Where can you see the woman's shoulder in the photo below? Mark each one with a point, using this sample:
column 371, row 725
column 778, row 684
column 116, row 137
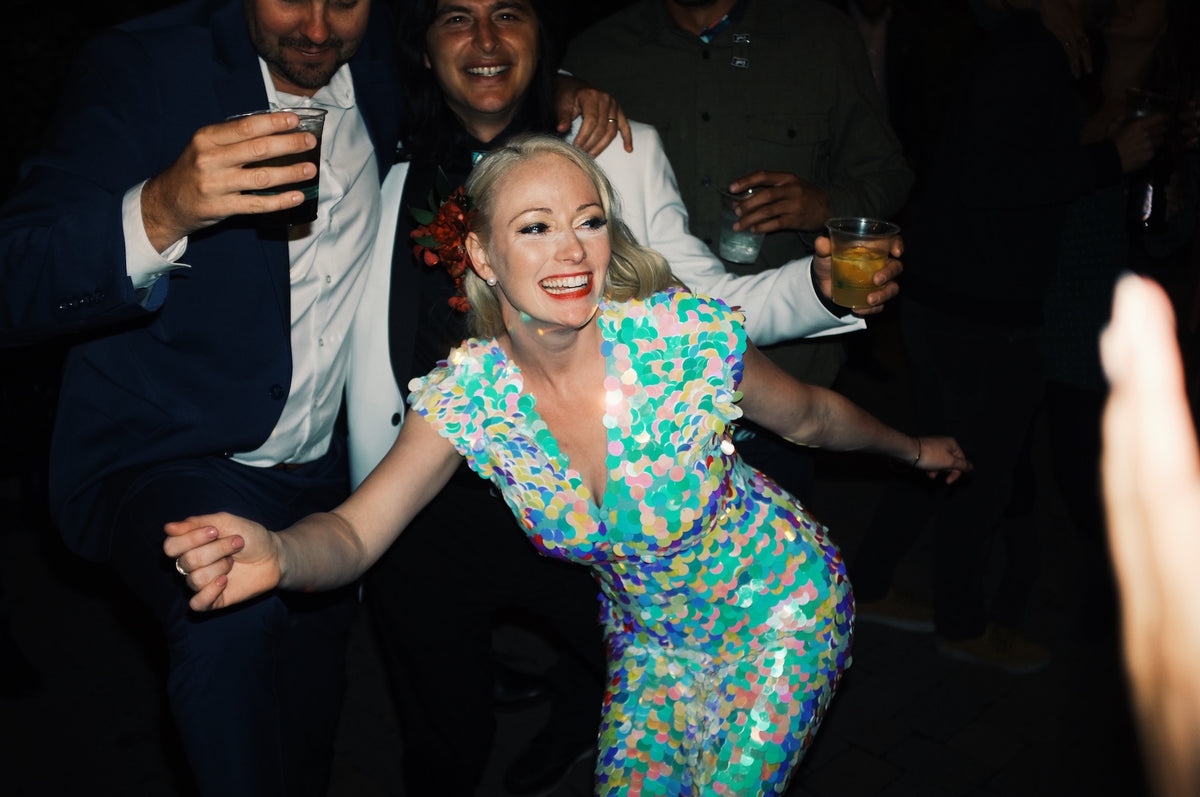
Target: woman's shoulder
column 677, row 318
column 475, row 368
column 681, row 306
column 473, row 398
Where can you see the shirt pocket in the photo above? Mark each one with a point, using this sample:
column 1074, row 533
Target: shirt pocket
column 796, row 143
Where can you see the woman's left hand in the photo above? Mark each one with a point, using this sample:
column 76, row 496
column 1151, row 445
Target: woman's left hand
column 942, row 455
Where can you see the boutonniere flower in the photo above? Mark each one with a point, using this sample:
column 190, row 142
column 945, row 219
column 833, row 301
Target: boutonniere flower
column 440, row 239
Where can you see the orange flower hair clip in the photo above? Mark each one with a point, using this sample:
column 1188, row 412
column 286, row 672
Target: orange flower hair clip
column 440, row 238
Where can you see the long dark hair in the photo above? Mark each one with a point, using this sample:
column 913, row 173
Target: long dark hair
column 430, row 127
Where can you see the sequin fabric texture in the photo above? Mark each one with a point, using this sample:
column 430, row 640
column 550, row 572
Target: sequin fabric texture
column 727, row 611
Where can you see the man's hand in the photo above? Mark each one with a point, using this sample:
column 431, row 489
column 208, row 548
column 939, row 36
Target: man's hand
column 1138, row 140
column 1064, row 19
column 884, row 279
column 602, row 115
column 224, row 558
column 780, row 201
column 204, row 186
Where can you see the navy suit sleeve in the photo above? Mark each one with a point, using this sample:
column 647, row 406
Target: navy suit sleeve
column 62, row 252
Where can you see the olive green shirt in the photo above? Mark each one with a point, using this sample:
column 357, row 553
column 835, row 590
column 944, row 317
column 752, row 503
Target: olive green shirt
column 786, row 87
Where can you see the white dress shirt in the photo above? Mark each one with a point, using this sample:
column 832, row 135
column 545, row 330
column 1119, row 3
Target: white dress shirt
column 327, row 273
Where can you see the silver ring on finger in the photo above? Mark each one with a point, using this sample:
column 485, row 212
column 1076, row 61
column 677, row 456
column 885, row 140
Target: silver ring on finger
column 179, row 568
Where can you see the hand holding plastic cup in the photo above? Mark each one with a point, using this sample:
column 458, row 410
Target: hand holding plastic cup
column 860, row 247
column 737, row 247
column 312, row 120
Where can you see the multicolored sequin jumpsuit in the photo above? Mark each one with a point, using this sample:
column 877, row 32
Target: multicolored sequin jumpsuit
column 727, row 610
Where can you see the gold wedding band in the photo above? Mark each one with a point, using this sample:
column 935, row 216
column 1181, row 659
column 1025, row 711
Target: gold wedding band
column 612, row 121
column 179, row 568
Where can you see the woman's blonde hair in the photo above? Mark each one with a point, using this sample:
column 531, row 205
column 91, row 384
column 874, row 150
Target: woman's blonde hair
column 634, row 272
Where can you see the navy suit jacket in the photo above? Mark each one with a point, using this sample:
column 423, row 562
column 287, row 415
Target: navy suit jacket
column 201, row 366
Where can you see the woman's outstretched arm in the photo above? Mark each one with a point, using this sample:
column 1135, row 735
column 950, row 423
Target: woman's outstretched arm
column 821, row 418
column 228, row 559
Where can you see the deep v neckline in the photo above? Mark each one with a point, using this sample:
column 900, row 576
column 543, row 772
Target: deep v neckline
column 542, row 433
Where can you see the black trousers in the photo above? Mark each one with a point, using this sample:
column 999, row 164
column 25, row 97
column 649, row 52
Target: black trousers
column 255, row 690
column 982, row 384
column 434, row 596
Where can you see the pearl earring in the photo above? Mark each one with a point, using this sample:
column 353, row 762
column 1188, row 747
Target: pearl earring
column 491, row 281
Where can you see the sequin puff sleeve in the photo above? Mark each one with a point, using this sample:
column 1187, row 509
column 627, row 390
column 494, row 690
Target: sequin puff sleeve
column 470, row 398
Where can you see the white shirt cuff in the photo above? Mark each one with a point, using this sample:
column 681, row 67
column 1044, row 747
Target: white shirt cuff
column 143, row 263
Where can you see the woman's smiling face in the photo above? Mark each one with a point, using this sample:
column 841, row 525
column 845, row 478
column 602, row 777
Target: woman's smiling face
column 547, row 244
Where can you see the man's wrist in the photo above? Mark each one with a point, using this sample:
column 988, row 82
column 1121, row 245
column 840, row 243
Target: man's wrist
column 826, row 302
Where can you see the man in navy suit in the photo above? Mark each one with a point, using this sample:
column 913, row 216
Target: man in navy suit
column 208, row 353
